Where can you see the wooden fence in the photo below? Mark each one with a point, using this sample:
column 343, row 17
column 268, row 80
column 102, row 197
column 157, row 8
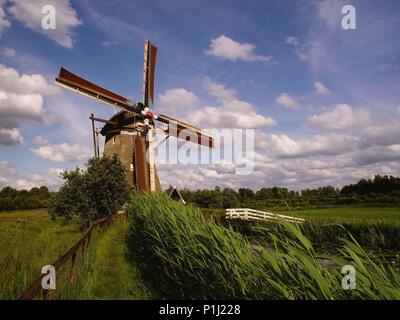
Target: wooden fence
column 33, row 289
column 255, row 215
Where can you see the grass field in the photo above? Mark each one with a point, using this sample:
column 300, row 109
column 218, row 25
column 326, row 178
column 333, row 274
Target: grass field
column 370, row 214
column 335, row 214
column 30, row 239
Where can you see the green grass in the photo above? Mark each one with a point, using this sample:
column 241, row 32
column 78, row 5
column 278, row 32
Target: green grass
column 29, row 239
column 108, row 274
column 182, row 254
column 339, row 214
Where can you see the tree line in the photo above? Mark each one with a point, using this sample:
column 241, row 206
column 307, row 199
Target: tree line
column 11, row 199
column 382, row 190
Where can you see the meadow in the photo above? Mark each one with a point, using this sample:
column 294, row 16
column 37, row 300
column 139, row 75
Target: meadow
column 176, row 246
column 29, row 239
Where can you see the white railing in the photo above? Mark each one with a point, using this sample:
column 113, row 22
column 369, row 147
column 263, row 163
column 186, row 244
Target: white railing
column 251, row 214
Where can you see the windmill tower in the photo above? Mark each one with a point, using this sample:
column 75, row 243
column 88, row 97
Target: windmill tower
column 129, row 133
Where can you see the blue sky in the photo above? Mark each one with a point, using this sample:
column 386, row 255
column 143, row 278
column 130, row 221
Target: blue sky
column 324, row 101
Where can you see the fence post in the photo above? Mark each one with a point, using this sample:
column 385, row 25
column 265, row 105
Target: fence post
column 84, row 249
column 73, row 268
column 46, row 294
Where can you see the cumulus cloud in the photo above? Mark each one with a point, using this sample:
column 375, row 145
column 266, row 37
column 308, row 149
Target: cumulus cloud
column 62, row 152
column 9, row 137
column 320, row 88
column 299, row 48
column 231, row 112
column 227, row 48
column 30, row 14
column 285, row 147
column 341, row 117
column 6, row 168
column 23, row 106
column 41, row 141
column 21, row 98
column 13, row 82
column 285, row 100
column 4, row 22
column 177, row 99
column 294, row 41
column 8, row 52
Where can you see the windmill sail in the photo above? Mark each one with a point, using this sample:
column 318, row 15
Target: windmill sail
column 196, row 135
column 149, row 67
column 77, row 84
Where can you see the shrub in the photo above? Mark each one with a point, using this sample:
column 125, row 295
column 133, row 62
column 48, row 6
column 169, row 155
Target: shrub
column 91, row 194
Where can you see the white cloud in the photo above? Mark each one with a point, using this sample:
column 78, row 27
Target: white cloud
column 377, row 154
column 41, row 141
column 341, row 117
column 4, row 23
column 21, row 106
column 11, row 177
column 30, row 14
column 9, row 137
column 287, row 101
column 231, row 113
column 62, row 152
column 6, row 168
column 9, row 52
column 285, row 147
column 12, row 81
column 224, row 47
column 177, row 99
column 329, row 11
column 294, row 41
column 21, row 98
column 320, row 88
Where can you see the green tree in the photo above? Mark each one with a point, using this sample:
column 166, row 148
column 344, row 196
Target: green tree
column 99, row 191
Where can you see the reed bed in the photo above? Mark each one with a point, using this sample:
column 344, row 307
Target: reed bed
column 183, row 255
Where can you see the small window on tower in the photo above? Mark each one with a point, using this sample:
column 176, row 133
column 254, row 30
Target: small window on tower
column 131, row 166
column 113, row 139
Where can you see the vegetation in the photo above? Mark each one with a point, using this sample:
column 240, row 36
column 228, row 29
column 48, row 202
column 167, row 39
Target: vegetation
column 381, row 191
column 91, row 194
column 11, row 199
column 106, row 273
column 30, row 239
column 183, row 255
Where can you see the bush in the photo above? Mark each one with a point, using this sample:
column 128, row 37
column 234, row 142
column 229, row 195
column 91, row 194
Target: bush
column 99, row 191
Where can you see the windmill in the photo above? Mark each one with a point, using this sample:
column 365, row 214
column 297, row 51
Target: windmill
column 129, row 132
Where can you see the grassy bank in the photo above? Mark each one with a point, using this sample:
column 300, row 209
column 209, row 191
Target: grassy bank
column 184, row 255
column 107, row 273
column 30, row 239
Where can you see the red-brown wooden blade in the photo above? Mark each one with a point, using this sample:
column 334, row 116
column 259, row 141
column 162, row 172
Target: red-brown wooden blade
column 152, row 65
column 141, row 165
column 79, row 85
column 192, row 133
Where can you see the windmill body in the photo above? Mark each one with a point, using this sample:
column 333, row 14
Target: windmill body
column 129, row 133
